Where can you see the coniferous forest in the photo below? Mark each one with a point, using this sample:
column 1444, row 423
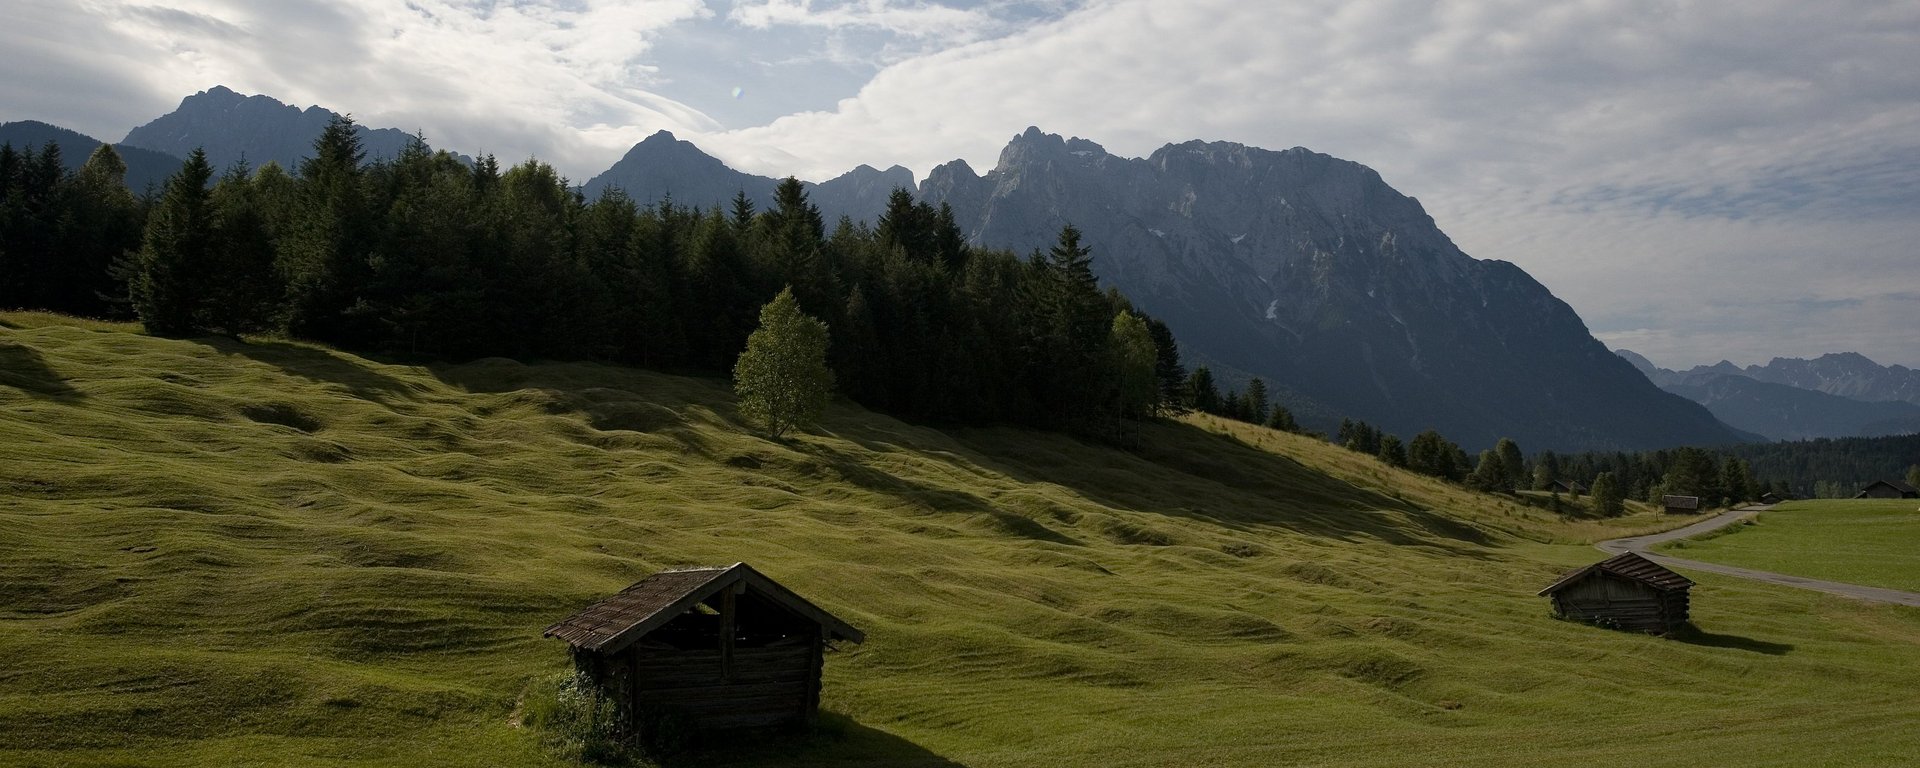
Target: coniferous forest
column 428, row 257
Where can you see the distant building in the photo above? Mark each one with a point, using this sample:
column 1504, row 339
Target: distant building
column 1567, row 486
column 1680, row 505
column 1625, row 591
column 1772, row 498
column 705, row 649
column 1888, row 489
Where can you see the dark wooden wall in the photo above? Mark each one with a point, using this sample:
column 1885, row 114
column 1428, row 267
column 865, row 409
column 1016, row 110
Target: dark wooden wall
column 1623, row 603
column 766, row 686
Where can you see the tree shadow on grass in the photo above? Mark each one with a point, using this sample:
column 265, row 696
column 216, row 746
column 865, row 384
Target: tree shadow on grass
column 22, row 368
column 1182, row 470
column 835, row 740
column 314, row 364
column 1693, row 635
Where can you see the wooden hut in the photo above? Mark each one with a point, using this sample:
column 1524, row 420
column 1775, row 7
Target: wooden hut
column 1681, row 505
column 1888, row 489
column 1625, row 591
column 705, row 649
column 1772, row 498
column 1567, row 486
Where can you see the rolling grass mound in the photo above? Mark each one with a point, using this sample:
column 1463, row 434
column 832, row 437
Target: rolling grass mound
column 273, row 553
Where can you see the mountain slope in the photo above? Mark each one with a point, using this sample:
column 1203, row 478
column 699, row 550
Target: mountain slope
column 663, row 167
column 231, row 127
column 1779, row 411
column 1312, row 273
column 1846, row 374
column 220, row 553
column 145, row 168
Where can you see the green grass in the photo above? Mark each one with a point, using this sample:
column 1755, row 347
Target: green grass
column 1875, row 542
column 271, row 553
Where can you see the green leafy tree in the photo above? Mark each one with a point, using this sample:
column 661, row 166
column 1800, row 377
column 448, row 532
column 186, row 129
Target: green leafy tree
column 175, row 265
column 1608, row 501
column 1489, row 473
column 1134, row 359
column 1511, row 462
column 1913, row 477
column 782, row 379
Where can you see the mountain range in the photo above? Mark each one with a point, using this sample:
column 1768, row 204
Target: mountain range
column 1834, row 395
column 231, row 127
column 1305, row 270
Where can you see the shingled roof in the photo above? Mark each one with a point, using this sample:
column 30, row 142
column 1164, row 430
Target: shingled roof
column 1626, row 565
column 1680, row 502
column 616, row 622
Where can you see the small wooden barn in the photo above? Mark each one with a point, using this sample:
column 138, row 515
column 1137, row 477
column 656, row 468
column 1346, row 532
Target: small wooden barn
column 1681, row 505
column 1625, row 591
column 705, row 649
column 1888, row 489
column 1771, row 498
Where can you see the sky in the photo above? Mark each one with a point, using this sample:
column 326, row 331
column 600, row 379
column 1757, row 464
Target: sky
column 1699, row 180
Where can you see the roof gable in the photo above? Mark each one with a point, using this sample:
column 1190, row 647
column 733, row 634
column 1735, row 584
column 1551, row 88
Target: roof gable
column 1894, row 484
column 1626, row 565
column 613, row 624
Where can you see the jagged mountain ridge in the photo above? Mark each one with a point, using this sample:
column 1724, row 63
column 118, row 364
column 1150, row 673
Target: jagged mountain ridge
column 231, row 127
column 1312, row 273
column 1783, row 411
column 663, row 167
column 145, row 167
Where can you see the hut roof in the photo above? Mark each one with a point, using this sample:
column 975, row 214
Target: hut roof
column 614, row 623
column 1680, row 502
column 1894, row 484
column 1626, row 565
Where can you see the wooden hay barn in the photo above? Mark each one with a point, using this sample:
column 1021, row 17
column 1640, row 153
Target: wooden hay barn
column 1625, row 591
column 705, row 649
column 1567, row 486
column 1771, row 498
column 1680, row 505
column 1888, row 489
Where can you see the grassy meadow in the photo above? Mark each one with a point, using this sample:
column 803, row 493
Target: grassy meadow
column 272, row 553
column 1875, row 542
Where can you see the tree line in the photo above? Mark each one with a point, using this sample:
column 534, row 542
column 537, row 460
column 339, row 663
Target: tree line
column 430, row 257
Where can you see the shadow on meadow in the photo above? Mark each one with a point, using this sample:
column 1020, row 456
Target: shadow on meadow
column 835, row 740
column 1693, row 635
column 22, row 368
column 314, row 364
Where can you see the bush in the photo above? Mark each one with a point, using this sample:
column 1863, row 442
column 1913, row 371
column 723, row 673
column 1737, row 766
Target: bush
column 576, row 720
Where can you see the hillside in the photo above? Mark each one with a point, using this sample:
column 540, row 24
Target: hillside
column 257, row 129
column 272, row 553
column 146, row 169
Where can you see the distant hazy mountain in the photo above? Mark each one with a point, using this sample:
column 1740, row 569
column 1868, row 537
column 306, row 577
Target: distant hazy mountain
column 1847, row 374
column 144, row 166
column 1781, row 411
column 230, row 126
column 1311, row 272
column 663, row 167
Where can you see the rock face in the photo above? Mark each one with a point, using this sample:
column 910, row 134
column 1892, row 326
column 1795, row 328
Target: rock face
column 230, row 126
column 145, row 168
column 1847, row 374
column 1781, row 411
column 1312, row 273
column 663, row 167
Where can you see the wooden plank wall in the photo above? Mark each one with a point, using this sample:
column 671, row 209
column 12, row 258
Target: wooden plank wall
column 1624, row 604
column 761, row 687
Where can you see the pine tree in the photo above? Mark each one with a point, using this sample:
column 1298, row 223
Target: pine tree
column 1202, row 394
column 175, row 264
column 782, row 379
column 1282, row 419
column 1256, row 401
column 1392, row 451
column 241, row 300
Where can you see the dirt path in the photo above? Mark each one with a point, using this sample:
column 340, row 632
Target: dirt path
column 1643, row 545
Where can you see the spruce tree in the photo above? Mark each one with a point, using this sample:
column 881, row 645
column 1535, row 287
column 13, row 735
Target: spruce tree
column 175, row 265
column 1282, row 419
column 1202, row 394
column 782, row 379
column 1392, row 451
column 1256, row 401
